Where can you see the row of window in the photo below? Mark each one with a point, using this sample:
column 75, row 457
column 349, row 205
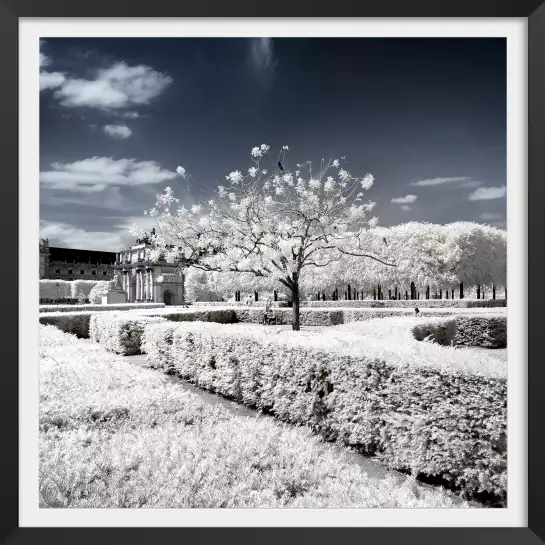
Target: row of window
column 58, row 271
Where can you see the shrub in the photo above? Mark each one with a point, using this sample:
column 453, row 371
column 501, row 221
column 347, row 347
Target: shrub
column 100, row 308
column 487, row 331
column 97, row 291
column 404, row 303
column 220, row 316
column 84, row 286
column 55, row 289
column 76, row 323
column 119, row 333
column 441, row 417
column 440, row 331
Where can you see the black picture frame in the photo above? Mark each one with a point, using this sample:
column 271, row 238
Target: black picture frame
column 12, row 10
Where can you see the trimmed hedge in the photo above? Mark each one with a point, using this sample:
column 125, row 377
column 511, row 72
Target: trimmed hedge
column 431, row 420
column 370, row 303
column 314, row 317
column 485, row 331
column 69, row 322
column 426, row 303
column 442, row 332
column 220, row 316
column 50, row 290
column 119, row 333
column 99, row 308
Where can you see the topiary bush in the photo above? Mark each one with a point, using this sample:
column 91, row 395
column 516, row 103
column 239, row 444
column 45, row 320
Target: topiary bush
column 119, row 333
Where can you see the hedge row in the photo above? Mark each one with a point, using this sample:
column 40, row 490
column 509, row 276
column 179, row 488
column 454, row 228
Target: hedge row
column 370, row 303
column 99, row 308
column 431, row 420
column 63, row 301
column 427, row 303
column 76, row 323
column 120, row 333
column 66, row 289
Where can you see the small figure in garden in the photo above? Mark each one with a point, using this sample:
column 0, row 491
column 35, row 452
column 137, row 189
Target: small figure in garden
column 268, row 315
column 416, row 311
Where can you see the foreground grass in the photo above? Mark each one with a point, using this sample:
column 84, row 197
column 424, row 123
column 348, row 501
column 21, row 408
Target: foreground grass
column 115, row 435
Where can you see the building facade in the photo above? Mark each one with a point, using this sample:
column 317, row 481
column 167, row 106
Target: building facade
column 74, row 264
column 145, row 280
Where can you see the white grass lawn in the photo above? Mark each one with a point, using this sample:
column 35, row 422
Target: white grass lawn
column 116, row 435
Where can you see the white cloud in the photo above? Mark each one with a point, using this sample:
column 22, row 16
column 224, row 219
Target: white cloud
column 404, row 200
column 262, row 55
column 405, row 207
column 51, row 80
column 44, row 60
column 95, row 174
column 488, row 193
column 120, row 86
column 117, row 131
column 441, row 181
column 131, row 115
column 66, row 235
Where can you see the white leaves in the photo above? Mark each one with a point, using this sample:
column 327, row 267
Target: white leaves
column 256, row 152
column 367, row 181
column 344, row 175
column 314, row 184
column 252, row 171
column 285, row 148
column 336, row 163
column 235, row 177
column 329, row 184
column 196, row 209
column 181, row 171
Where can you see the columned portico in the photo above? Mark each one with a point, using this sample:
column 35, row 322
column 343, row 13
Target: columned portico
column 150, row 280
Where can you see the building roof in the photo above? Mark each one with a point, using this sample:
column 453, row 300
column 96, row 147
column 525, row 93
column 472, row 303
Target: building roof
column 73, row 255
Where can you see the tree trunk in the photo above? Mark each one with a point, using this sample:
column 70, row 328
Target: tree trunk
column 413, row 291
column 296, row 311
column 461, row 290
column 428, row 292
column 323, row 296
column 440, row 294
column 389, row 295
column 406, row 295
column 374, row 294
column 452, row 294
column 349, row 290
column 493, row 292
column 275, row 293
column 478, row 291
column 256, row 297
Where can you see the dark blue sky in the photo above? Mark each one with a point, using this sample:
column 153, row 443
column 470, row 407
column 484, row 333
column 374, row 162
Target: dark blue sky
column 407, row 110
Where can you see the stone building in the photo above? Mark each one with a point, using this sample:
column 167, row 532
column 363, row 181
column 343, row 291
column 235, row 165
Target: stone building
column 74, row 264
column 145, row 280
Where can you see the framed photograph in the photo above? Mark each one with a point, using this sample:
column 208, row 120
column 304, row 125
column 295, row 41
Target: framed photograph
column 263, row 270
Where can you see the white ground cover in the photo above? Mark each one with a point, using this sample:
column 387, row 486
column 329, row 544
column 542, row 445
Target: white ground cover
column 116, row 435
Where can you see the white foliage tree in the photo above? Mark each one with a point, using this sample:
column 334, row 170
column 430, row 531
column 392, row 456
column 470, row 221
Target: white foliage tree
column 274, row 224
